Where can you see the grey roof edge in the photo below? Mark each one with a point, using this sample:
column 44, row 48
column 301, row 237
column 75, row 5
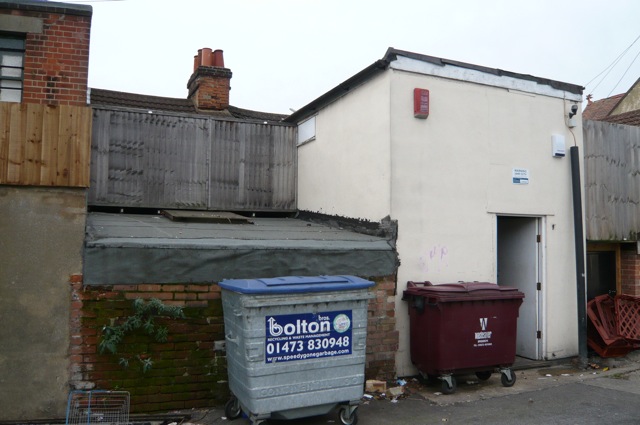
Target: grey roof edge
column 338, row 91
column 390, row 56
column 48, row 6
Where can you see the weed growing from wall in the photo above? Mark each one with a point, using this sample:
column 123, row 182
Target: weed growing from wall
column 143, row 318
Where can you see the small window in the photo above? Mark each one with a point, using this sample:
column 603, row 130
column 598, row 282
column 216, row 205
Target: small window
column 11, row 67
column 307, row 131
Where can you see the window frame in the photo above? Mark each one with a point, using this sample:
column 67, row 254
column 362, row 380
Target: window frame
column 307, row 131
column 12, row 45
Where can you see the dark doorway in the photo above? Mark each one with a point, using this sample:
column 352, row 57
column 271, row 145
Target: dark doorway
column 601, row 273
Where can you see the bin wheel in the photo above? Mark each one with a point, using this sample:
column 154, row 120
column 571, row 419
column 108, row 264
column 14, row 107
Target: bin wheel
column 232, row 409
column 506, row 381
column 346, row 418
column 449, row 388
column 484, row 375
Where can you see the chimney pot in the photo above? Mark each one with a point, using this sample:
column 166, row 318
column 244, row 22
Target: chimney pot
column 207, row 57
column 209, row 84
column 218, row 59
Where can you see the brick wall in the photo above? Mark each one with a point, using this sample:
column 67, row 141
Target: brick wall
column 57, row 59
column 187, row 372
column 630, row 272
column 209, row 88
column 382, row 336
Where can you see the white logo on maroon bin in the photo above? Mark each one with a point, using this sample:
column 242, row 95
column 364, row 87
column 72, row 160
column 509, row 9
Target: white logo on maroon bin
column 483, row 323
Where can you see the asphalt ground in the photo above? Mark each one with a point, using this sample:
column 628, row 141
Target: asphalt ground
column 605, row 391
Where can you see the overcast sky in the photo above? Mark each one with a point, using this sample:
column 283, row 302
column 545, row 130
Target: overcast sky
column 285, row 53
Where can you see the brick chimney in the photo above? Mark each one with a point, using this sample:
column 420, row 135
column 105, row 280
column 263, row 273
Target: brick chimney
column 209, row 84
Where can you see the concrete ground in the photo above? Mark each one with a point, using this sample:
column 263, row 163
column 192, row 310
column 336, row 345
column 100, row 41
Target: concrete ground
column 607, row 391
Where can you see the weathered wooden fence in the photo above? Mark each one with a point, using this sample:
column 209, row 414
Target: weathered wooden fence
column 44, row 145
column 612, row 181
column 191, row 162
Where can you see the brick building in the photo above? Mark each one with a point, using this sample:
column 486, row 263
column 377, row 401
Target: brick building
column 44, row 174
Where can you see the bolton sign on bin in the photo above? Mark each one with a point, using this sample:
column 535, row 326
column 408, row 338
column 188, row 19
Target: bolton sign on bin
column 296, row 346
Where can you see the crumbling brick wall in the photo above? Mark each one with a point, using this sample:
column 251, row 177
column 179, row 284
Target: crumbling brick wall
column 382, row 336
column 187, row 372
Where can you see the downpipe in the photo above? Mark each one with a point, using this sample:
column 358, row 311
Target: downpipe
column 579, row 250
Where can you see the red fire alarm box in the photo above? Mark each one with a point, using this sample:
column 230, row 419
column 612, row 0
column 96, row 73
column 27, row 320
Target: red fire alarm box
column 420, row 103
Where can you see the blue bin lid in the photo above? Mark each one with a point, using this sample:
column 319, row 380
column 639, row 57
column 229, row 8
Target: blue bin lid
column 295, row 284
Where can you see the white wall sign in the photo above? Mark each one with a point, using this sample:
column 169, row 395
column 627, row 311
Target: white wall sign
column 520, row 176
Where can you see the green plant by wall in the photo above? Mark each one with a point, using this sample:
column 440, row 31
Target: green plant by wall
column 143, row 318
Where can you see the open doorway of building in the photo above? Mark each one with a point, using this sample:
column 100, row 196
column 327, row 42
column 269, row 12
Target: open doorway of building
column 603, row 269
column 519, row 265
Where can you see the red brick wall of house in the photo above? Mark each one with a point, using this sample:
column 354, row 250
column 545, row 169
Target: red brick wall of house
column 56, row 64
column 187, row 372
column 630, row 272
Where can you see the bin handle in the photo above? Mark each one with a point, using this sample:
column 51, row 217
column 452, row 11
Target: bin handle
column 412, row 284
column 229, row 338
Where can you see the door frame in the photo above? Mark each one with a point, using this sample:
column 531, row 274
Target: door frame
column 541, row 310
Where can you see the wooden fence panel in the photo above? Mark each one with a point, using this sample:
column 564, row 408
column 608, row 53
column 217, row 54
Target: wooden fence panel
column 190, row 162
column 612, row 181
column 44, row 145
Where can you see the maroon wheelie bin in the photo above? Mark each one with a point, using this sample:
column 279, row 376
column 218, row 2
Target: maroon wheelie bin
column 461, row 328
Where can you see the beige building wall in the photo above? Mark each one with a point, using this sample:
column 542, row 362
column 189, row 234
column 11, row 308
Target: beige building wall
column 450, row 177
column 345, row 171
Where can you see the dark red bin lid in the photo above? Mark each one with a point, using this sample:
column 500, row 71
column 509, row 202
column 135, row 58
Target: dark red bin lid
column 461, row 291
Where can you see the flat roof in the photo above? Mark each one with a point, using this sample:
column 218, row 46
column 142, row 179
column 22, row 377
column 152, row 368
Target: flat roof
column 134, row 249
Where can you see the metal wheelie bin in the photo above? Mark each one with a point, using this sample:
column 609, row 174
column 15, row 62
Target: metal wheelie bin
column 295, row 346
column 460, row 328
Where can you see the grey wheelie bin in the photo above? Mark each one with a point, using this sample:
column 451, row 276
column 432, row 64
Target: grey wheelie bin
column 296, row 346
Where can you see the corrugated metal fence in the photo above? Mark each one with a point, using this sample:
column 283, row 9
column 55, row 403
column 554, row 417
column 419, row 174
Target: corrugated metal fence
column 191, row 162
column 612, row 181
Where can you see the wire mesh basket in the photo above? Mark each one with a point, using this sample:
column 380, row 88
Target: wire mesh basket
column 98, row 407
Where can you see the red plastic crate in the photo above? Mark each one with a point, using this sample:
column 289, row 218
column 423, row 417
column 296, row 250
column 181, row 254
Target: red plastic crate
column 628, row 315
column 619, row 347
column 600, row 313
column 607, row 312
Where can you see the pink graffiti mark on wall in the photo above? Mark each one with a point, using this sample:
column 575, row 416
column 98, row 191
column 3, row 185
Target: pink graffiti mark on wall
column 435, row 259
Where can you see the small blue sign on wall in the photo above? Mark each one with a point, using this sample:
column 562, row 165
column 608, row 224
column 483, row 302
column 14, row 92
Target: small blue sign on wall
column 305, row 336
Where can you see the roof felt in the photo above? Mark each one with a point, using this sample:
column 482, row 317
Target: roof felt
column 101, row 97
column 132, row 249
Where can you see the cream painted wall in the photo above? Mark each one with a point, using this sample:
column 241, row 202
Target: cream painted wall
column 345, row 171
column 445, row 179
column 452, row 175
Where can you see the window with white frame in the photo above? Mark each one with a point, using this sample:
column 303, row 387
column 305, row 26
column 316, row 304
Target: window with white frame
column 307, row 130
column 11, row 67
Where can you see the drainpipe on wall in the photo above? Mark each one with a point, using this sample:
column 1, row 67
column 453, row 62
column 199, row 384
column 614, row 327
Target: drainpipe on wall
column 579, row 247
